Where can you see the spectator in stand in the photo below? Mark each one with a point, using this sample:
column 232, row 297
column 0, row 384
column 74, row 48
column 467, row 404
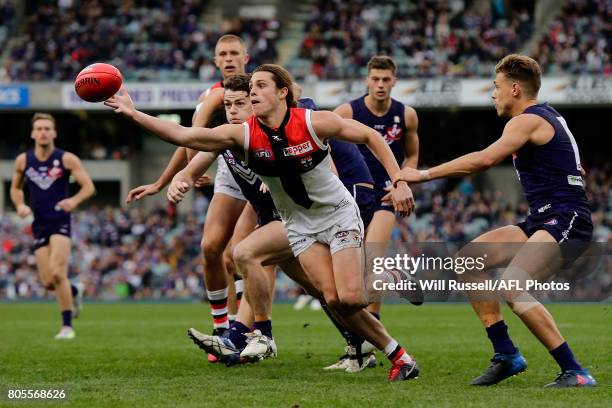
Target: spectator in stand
column 427, row 37
column 579, row 41
column 120, row 253
column 151, row 40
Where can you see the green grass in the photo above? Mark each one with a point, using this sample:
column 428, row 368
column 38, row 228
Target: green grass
column 139, row 355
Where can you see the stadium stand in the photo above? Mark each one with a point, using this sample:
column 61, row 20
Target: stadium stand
column 579, row 41
column 151, row 40
column 426, row 37
column 133, row 254
column 7, row 20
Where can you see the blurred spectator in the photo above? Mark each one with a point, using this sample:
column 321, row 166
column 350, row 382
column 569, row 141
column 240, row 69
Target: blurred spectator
column 579, row 41
column 7, row 20
column 145, row 39
column 426, row 37
column 131, row 254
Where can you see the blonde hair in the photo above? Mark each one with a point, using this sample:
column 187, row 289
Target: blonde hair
column 42, row 116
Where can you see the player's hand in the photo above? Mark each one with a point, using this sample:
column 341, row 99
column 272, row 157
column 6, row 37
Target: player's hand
column 203, row 180
column 264, row 188
column 402, row 199
column 23, row 211
column 121, row 102
column 139, row 192
column 67, row 205
column 177, row 189
column 409, row 175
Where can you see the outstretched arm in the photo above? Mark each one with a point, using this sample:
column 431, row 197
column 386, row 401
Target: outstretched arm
column 186, row 178
column 177, row 162
column 221, row 137
column 329, row 125
column 516, row 133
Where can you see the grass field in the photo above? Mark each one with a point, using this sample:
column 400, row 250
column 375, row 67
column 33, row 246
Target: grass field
column 139, row 355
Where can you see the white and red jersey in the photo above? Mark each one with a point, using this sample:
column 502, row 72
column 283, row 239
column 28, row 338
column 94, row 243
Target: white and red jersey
column 295, row 165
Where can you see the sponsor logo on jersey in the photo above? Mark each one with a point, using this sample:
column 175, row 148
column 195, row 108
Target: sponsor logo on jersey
column 575, row 181
column 544, row 208
column 298, row 149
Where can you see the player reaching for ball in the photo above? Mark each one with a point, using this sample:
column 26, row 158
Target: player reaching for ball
column 287, row 148
column 46, row 170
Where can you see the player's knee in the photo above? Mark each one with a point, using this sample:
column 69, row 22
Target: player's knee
column 331, row 299
column 244, row 255
column 352, row 300
column 211, row 249
column 58, row 278
column 228, row 260
column 48, row 284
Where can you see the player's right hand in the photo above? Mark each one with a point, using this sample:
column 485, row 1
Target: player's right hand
column 177, row 190
column 23, row 211
column 141, row 191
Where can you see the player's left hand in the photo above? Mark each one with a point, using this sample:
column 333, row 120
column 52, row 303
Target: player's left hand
column 121, row 102
column 402, row 199
column 264, row 188
column 409, row 175
column 67, row 204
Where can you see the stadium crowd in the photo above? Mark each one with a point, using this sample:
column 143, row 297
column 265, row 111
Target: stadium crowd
column 130, row 254
column 579, row 41
column 145, row 39
column 426, row 37
column 7, row 20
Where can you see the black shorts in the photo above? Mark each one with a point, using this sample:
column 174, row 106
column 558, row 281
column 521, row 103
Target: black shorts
column 565, row 225
column 43, row 229
column 380, row 192
column 365, row 197
column 266, row 216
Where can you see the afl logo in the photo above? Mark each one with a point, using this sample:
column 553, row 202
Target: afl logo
column 552, row 221
column 262, row 154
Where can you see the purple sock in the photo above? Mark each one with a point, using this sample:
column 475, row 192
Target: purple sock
column 265, row 327
column 237, row 334
column 67, row 318
column 565, row 358
column 498, row 334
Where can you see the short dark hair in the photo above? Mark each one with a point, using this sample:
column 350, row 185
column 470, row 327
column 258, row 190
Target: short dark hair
column 523, row 69
column 382, row 62
column 238, row 82
column 217, row 118
column 282, row 79
column 42, row 116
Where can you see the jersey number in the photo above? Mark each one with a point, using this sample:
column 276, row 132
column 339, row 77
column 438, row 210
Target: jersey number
column 572, row 141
